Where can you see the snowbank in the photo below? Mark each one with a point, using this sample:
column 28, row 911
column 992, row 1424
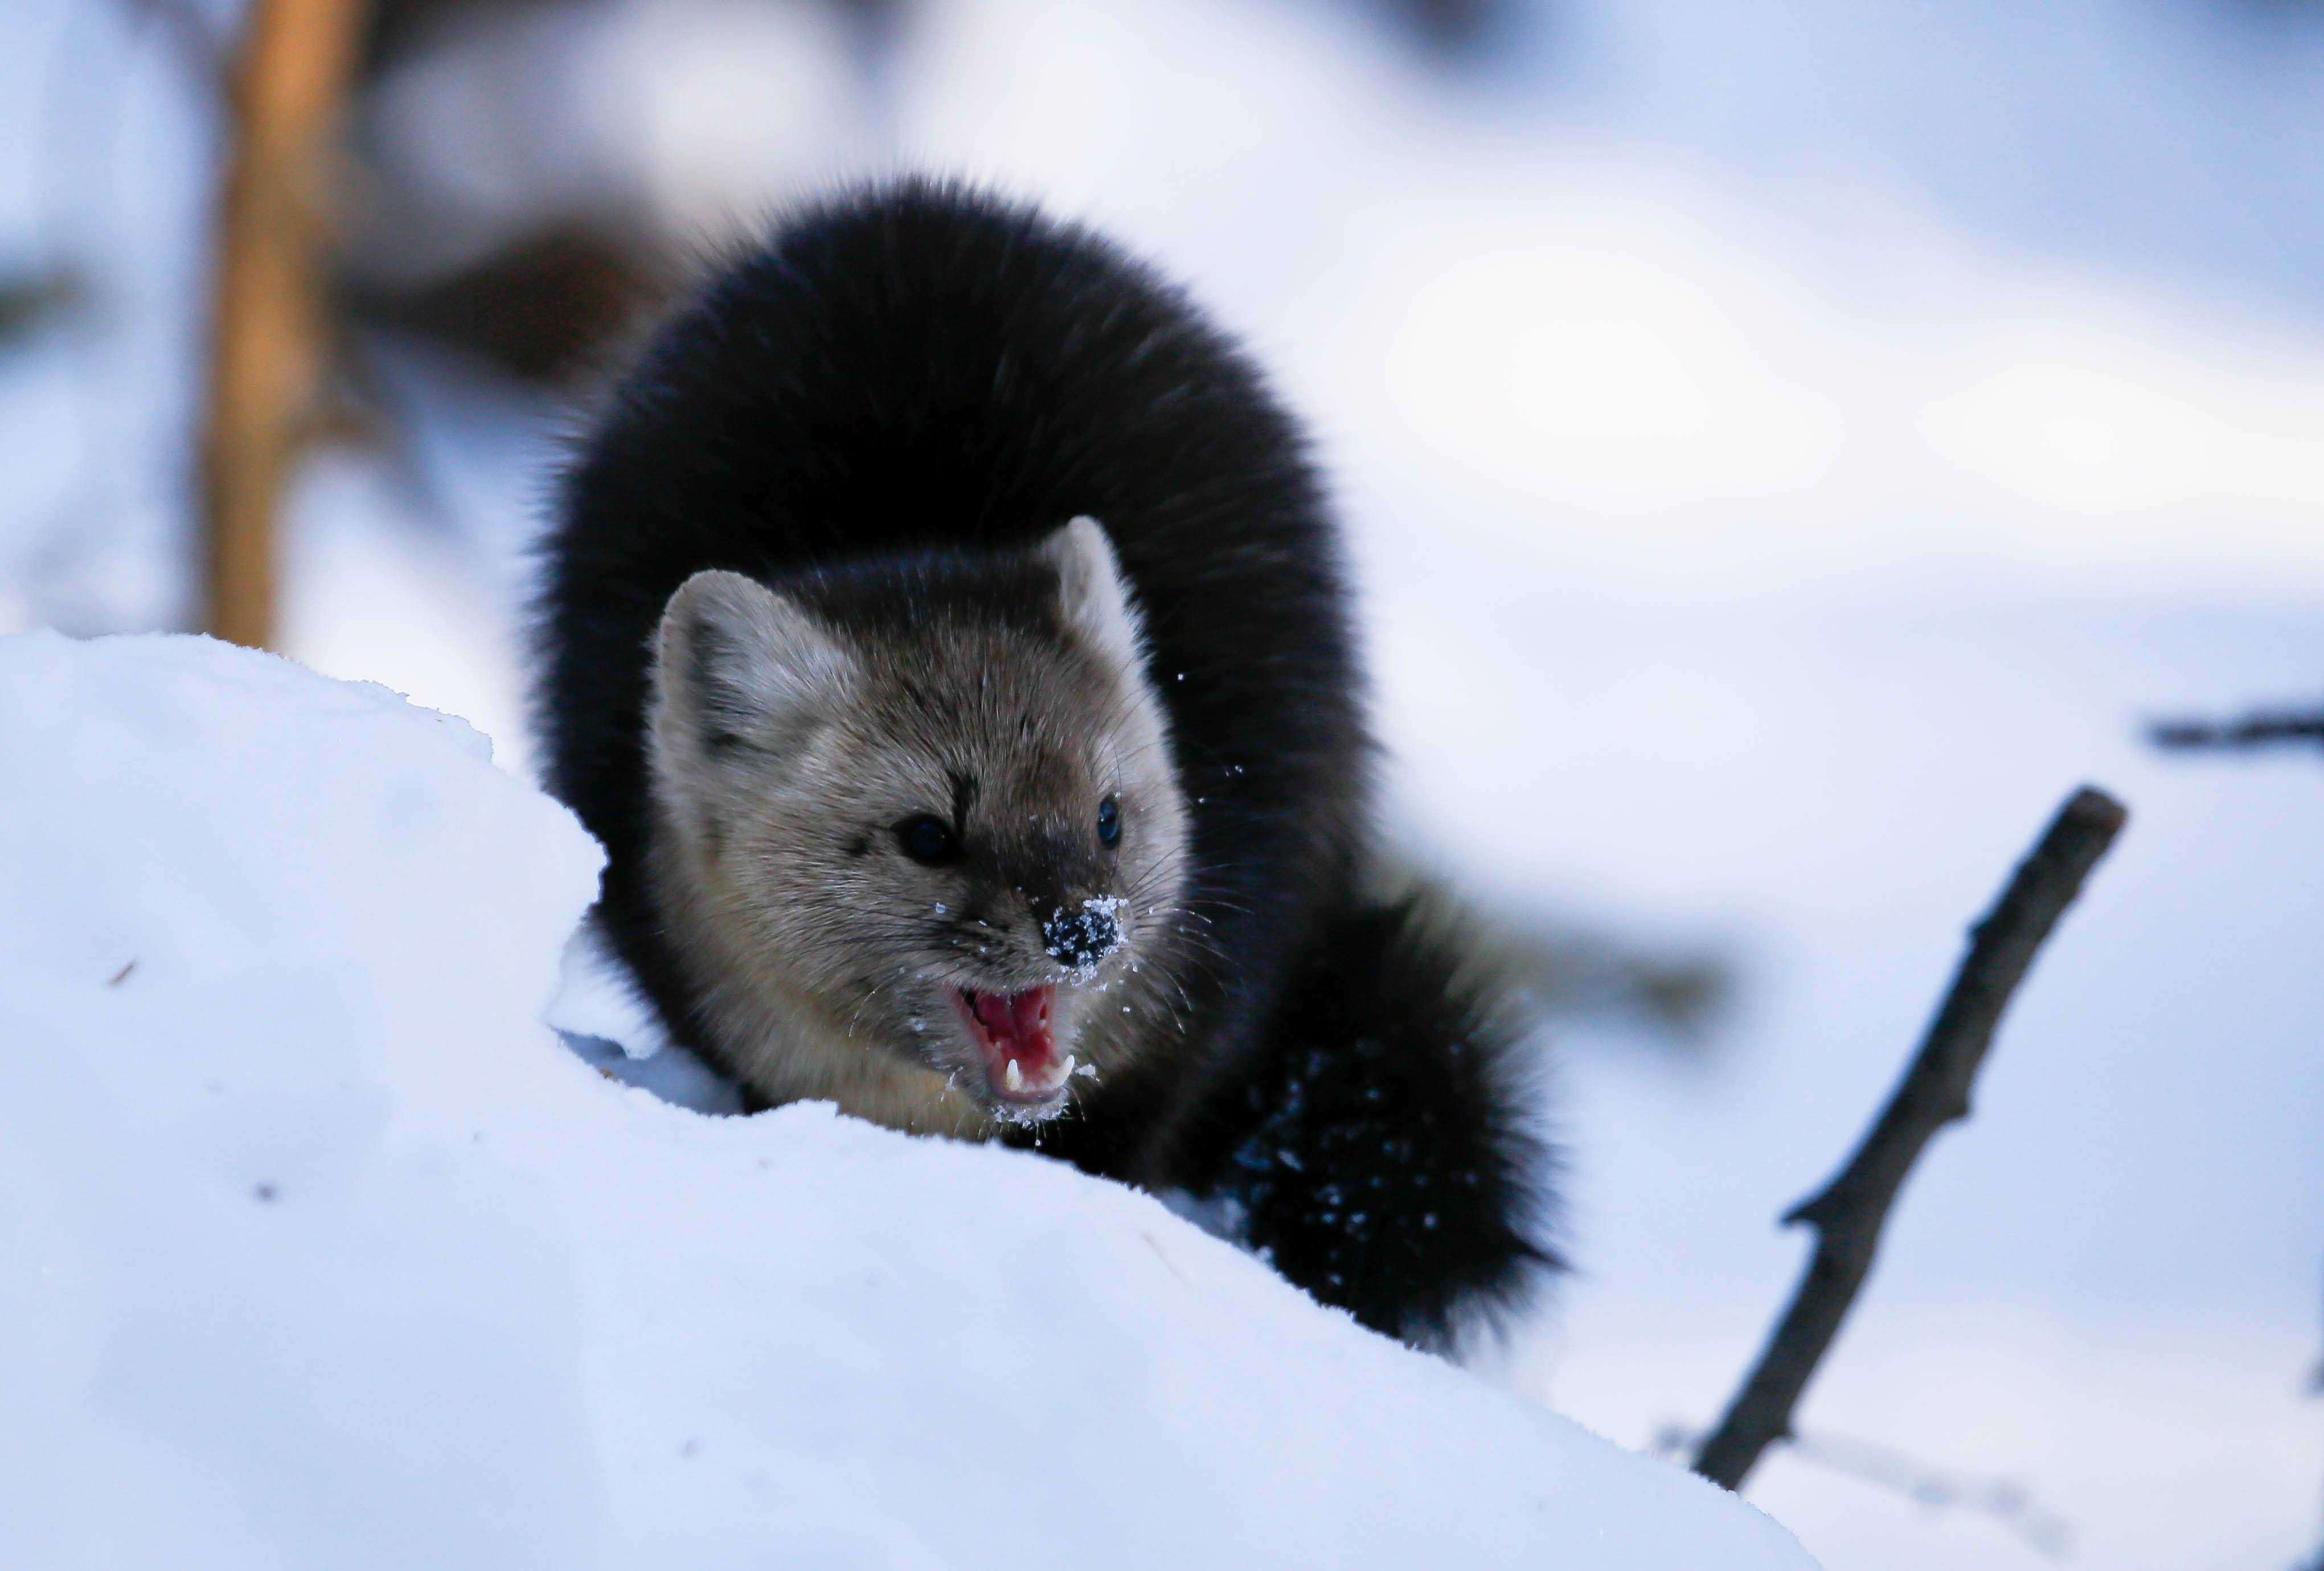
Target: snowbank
column 318, row 1249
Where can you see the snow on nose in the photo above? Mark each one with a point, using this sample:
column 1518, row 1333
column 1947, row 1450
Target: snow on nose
column 1080, row 939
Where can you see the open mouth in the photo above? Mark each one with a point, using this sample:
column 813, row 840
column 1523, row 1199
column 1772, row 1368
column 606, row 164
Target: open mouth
column 1012, row 1031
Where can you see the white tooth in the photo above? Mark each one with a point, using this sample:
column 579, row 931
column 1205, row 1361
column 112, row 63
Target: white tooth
column 1065, row 1072
column 1015, row 1076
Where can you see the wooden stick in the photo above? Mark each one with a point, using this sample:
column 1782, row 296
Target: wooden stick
column 269, row 333
column 1850, row 1213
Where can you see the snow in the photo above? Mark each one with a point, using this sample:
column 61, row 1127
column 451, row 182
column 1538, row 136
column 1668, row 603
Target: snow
column 320, row 1249
column 1087, row 936
column 1832, row 429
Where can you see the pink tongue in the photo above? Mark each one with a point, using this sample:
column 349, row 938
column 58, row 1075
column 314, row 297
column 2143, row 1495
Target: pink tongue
column 1018, row 1025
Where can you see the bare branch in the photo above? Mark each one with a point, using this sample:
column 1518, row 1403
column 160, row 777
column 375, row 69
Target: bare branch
column 1850, row 1213
column 33, row 301
column 2003, row 1499
column 2316, row 1381
column 269, row 338
column 193, row 38
column 2261, row 728
column 2315, row 1389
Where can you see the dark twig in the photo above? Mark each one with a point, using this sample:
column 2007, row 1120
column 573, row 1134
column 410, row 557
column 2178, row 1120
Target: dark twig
column 2261, row 728
column 33, row 301
column 2004, row 1500
column 1850, row 1213
column 2315, row 1389
column 197, row 41
column 2316, row 1381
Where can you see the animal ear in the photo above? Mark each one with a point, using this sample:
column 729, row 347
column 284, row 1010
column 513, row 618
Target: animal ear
column 737, row 666
column 1092, row 592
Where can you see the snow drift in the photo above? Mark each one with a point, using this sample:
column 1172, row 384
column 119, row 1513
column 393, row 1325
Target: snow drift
column 316, row 1248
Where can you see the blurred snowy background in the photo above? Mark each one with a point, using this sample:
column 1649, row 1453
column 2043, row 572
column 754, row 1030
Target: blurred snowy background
column 1787, row 448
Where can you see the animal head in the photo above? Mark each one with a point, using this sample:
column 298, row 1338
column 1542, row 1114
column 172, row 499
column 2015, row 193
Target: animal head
column 926, row 813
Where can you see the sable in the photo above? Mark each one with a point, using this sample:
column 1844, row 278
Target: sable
column 945, row 632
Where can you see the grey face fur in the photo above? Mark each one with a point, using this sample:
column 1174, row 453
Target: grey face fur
column 791, row 758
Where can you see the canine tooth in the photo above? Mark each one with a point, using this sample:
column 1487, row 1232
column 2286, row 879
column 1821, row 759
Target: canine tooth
column 1015, row 1076
column 1064, row 1073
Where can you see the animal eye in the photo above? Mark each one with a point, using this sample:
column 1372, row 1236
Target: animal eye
column 928, row 841
column 1109, row 821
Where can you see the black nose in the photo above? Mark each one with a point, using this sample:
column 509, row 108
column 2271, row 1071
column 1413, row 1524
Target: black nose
column 1080, row 939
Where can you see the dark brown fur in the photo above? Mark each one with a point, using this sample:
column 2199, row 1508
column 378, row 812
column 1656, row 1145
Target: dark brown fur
column 909, row 388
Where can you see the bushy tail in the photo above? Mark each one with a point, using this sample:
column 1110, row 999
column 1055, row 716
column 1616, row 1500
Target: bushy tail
column 1377, row 1145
